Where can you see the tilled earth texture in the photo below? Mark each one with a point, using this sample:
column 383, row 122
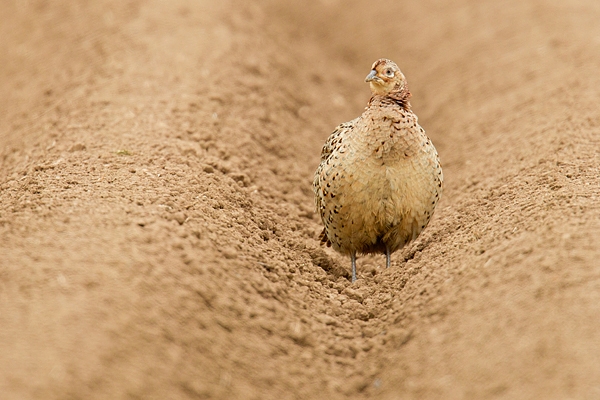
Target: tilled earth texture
column 158, row 238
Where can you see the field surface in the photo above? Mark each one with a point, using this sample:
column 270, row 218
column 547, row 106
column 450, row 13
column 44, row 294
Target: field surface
column 158, row 238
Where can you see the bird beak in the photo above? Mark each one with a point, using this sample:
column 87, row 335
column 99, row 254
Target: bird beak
column 372, row 76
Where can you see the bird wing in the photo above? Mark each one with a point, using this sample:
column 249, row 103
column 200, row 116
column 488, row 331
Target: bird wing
column 333, row 142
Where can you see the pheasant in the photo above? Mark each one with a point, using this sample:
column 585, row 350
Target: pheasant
column 380, row 177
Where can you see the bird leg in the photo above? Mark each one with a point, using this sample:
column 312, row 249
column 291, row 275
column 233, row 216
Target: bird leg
column 353, row 261
column 387, row 257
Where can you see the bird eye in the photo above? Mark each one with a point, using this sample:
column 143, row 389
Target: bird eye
column 389, row 72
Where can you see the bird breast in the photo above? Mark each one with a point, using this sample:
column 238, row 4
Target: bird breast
column 385, row 178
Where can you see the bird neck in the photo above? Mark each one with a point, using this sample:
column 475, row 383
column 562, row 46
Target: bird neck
column 400, row 98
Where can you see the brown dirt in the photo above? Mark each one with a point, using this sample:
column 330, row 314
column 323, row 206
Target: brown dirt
column 157, row 233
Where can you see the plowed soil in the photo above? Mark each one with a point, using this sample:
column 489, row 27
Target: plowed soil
column 157, row 232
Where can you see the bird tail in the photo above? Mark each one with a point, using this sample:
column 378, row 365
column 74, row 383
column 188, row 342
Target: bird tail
column 324, row 239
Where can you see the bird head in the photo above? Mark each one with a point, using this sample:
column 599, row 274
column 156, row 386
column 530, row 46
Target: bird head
column 386, row 78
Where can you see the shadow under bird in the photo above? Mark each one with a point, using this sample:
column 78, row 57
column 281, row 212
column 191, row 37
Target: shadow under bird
column 380, row 177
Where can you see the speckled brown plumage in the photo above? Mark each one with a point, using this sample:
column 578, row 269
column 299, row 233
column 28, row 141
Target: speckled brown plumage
column 380, row 178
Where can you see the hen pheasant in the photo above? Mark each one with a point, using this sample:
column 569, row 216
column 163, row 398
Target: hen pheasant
column 380, row 177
